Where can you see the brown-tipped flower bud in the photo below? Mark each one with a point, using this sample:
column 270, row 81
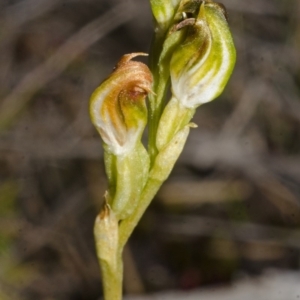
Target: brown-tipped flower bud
column 106, row 232
column 117, row 107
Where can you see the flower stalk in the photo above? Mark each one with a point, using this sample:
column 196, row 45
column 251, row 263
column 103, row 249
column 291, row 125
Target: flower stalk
column 193, row 52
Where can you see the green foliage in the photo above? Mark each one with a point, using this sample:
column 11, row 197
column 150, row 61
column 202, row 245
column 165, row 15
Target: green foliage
column 198, row 55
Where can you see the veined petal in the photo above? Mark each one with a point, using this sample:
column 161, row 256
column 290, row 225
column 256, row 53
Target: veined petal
column 117, row 107
column 201, row 66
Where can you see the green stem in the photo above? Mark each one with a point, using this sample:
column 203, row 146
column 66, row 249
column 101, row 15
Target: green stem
column 110, row 259
column 153, row 184
column 159, row 89
column 112, row 270
column 127, row 226
column 112, row 279
column 156, row 110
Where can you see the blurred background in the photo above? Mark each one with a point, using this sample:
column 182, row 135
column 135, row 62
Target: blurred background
column 228, row 216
